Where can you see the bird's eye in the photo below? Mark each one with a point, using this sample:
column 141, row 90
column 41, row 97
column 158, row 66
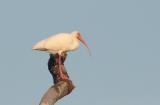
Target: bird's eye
column 78, row 33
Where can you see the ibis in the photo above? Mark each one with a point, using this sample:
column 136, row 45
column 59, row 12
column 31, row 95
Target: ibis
column 61, row 43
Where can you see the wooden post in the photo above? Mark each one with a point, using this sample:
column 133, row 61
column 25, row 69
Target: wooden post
column 61, row 87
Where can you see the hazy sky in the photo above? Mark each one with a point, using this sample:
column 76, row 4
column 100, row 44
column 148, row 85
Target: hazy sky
column 124, row 38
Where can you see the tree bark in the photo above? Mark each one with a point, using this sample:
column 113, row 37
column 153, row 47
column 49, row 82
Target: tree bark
column 61, row 87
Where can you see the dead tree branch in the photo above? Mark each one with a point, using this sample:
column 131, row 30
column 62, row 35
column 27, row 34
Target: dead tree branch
column 61, row 87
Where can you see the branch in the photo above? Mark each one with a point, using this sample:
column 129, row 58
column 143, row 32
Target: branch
column 61, row 87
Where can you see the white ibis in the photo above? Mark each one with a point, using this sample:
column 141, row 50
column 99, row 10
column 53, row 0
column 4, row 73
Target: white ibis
column 60, row 43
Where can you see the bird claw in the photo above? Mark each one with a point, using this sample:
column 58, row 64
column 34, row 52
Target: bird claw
column 62, row 75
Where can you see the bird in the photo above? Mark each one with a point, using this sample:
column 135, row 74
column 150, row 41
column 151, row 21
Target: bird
column 61, row 43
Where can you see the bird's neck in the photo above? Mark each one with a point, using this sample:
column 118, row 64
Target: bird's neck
column 75, row 44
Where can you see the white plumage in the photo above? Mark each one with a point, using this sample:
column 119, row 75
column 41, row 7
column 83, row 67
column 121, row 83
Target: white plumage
column 62, row 42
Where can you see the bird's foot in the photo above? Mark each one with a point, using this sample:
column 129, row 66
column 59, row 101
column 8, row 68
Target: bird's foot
column 62, row 75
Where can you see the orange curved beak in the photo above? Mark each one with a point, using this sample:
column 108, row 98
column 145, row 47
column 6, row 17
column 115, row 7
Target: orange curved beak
column 85, row 44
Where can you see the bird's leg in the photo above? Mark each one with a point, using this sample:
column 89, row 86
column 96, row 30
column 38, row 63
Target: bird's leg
column 57, row 59
column 64, row 77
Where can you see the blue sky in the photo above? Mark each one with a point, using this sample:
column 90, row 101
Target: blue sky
column 123, row 36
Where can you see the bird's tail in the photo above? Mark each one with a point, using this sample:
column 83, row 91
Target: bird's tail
column 39, row 46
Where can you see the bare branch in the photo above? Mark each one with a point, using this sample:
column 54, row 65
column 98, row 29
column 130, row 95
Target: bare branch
column 61, row 87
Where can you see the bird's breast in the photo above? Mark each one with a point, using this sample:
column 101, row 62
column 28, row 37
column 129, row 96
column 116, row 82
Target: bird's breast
column 74, row 45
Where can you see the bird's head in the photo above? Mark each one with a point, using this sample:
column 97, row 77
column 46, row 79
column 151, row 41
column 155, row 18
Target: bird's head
column 78, row 36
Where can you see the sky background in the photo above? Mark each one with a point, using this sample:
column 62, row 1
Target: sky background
column 123, row 36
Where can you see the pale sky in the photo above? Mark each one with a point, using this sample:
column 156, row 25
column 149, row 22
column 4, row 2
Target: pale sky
column 124, row 38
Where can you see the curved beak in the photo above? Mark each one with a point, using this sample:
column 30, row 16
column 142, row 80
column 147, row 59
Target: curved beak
column 85, row 44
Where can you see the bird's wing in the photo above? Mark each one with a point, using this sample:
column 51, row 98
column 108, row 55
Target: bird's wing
column 58, row 42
